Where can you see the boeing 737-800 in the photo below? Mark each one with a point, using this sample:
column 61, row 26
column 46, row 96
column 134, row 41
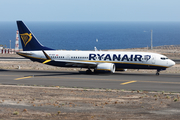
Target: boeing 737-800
column 100, row 61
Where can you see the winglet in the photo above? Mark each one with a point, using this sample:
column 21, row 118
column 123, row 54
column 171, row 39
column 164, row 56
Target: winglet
column 47, row 57
column 46, row 61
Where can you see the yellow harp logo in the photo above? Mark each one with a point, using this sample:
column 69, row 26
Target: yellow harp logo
column 26, row 38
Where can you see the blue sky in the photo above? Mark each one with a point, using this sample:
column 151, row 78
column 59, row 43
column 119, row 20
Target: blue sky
column 90, row 10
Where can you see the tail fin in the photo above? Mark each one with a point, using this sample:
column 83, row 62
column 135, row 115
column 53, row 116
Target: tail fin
column 28, row 40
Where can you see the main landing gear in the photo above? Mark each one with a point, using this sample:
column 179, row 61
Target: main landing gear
column 88, row 71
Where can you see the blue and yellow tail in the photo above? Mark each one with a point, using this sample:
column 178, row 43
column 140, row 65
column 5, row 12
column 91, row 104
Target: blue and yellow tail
column 28, row 40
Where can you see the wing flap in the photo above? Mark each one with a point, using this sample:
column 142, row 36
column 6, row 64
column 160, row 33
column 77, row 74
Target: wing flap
column 78, row 63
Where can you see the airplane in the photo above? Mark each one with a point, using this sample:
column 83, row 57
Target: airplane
column 100, row 61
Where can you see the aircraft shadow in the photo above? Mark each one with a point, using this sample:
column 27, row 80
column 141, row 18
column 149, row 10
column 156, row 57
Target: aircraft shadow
column 1, row 70
column 37, row 73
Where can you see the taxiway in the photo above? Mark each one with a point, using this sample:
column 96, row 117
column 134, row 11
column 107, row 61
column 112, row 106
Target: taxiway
column 120, row 81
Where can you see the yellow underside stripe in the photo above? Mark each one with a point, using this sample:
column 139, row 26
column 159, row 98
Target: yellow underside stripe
column 104, row 69
column 126, row 63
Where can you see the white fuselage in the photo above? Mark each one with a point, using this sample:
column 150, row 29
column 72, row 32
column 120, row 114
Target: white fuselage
column 122, row 60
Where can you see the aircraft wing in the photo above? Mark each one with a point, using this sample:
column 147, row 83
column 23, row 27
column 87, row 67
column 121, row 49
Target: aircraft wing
column 79, row 63
column 76, row 63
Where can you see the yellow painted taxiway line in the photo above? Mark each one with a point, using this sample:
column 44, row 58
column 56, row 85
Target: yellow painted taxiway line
column 128, row 82
column 23, row 78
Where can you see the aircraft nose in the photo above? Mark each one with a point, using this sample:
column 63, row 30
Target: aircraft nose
column 171, row 63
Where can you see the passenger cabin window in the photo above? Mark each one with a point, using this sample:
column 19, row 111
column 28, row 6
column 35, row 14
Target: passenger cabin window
column 78, row 57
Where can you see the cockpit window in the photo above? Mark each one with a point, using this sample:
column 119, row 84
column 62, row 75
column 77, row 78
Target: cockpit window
column 163, row 58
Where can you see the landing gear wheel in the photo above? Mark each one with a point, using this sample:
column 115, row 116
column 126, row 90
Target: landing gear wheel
column 88, row 71
column 157, row 73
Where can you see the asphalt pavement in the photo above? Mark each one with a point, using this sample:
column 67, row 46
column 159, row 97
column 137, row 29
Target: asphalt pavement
column 120, row 81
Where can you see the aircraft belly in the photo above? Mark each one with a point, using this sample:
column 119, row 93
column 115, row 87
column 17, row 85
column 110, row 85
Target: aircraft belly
column 137, row 66
column 118, row 65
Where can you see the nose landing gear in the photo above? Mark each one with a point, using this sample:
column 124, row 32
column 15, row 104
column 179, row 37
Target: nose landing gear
column 157, row 73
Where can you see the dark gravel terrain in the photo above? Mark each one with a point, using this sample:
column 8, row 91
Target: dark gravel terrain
column 28, row 102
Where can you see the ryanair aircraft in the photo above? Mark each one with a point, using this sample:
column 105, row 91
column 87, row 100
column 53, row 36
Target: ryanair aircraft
column 100, row 61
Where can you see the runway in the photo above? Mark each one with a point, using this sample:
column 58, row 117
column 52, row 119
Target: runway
column 120, row 81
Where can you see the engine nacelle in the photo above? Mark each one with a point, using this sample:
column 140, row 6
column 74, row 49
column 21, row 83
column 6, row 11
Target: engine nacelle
column 105, row 67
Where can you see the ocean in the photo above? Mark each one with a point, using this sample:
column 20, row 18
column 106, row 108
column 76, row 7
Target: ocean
column 103, row 35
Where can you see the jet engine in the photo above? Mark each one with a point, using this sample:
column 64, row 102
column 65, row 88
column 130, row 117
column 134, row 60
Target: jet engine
column 105, row 67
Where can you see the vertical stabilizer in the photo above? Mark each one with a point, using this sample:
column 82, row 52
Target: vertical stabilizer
column 28, row 40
